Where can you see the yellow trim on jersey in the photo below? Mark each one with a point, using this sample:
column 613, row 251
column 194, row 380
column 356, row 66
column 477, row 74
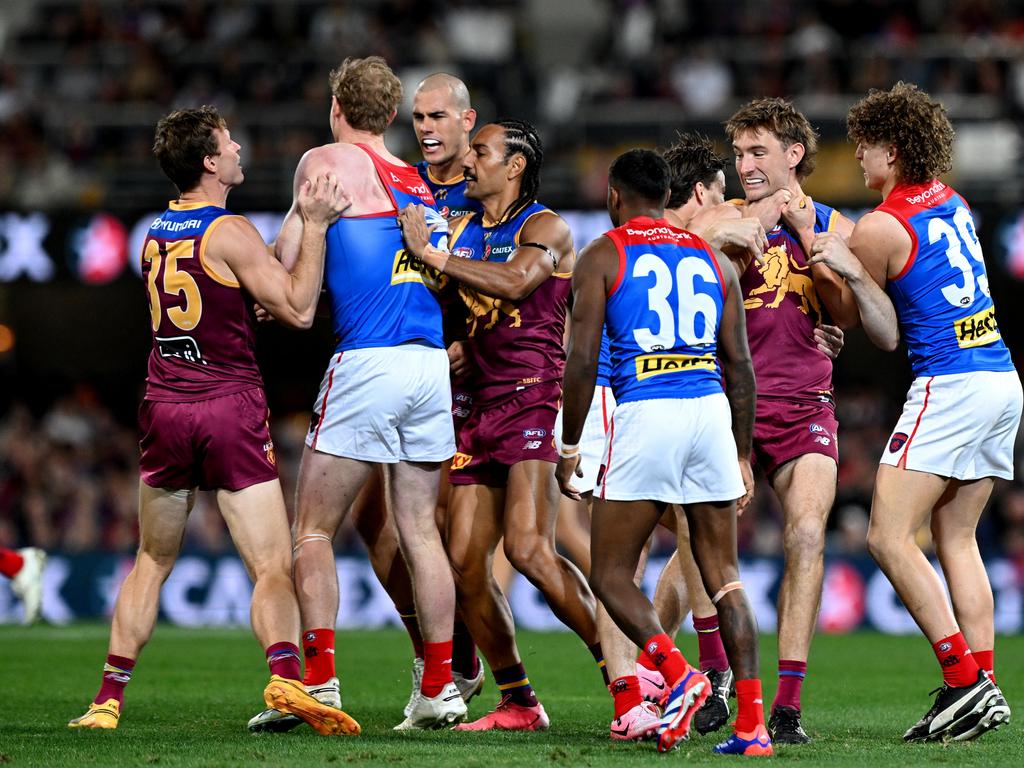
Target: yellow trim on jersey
column 832, row 219
column 460, row 226
column 452, row 180
column 177, row 205
column 523, row 224
column 202, row 253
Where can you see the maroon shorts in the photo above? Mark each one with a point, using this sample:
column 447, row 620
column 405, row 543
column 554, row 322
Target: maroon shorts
column 220, row 443
column 787, row 429
column 495, row 437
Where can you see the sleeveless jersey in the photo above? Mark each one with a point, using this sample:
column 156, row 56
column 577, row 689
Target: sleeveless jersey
column 604, row 361
column 942, row 296
column 663, row 313
column 450, row 196
column 204, row 328
column 380, row 295
column 513, row 345
column 783, row 309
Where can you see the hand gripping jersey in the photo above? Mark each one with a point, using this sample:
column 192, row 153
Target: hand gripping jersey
column 450, row 196
column 380, row 295
column 204, row 328
column 942, row 296
column 782, row 310
column 514, row 345
column 663, row 313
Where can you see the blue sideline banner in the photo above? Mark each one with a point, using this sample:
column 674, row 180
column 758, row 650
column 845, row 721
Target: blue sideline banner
column 214, row 591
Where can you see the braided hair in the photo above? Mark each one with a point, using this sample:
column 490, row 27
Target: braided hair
column 522, row 138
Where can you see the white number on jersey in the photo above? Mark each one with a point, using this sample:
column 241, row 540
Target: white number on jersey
column 957, row 239
column 690, row 302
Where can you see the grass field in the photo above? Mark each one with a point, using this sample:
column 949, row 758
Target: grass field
column 194, row 690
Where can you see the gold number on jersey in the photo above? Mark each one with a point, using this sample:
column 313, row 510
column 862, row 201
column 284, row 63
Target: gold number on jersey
column 175, row 283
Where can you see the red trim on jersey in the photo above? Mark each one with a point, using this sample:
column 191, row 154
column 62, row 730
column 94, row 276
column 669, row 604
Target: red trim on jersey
column 902, row 463
column 405, row 177
column 718, row 270
column 323, row 405
column 622, row 262
column 608, row 465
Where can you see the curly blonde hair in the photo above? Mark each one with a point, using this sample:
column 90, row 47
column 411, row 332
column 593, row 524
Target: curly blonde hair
column 910, row 120
column 781, row 119
column 368, row 93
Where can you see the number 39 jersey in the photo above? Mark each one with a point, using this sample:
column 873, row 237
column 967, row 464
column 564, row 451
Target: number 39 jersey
column 942, row 295
column 663, row 313
column 204, row 337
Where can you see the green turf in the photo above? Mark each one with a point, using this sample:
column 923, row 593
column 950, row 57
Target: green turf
column 195, row 689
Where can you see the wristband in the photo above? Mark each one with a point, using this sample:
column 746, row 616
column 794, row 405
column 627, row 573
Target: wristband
column 432, row 252
column 568, row 451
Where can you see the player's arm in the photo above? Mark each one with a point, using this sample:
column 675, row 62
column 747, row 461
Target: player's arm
column 738, row 371
column 545, row 243
column 289, row 295
column 589, row 290
column 876, row 241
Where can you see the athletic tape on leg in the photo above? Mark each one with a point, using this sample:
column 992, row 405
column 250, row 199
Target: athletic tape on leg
column 310, row 537
column 726, row 590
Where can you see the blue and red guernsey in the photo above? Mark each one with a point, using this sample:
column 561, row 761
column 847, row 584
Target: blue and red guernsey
column 782, row 310
column 604, row 361
column 450, row 196
column 204, row 328
column 380, row 295
column 942, row 296
column 663, row 313
column 513, row 344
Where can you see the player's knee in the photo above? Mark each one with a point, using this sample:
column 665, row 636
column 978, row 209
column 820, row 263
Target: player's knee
column 528, row 553
column 880, row 544
column 804, row 538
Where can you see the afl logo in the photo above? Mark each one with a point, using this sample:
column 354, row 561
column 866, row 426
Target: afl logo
column 945, row 647
column 817, row 429
column 463, row 252
column 897, row 441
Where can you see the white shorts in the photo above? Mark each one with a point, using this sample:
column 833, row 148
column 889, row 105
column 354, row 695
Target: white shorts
column 679, row 451
column 385, row 404
column 960, row 425
column 595, row 430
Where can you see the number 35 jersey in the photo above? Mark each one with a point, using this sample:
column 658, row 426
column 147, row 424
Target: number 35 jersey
column 942, row 295
column 663, row 313
column 204, row 328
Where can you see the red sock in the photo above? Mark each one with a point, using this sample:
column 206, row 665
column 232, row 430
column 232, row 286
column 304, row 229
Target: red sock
column 958, row 665
column 986, row 660
column 709, row 643
column 667, row 658
column 283, row 660
column 10, row 562
column 626, row 693
column 437, row 667
column 749, row 705
column 318, row 648
column 412, row 626
column 117, row 672
column 646, row 661
column 791, row 679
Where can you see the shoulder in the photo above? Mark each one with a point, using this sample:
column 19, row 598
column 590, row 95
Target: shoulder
column 545, row 223
column 880, row 231
column 334, row 157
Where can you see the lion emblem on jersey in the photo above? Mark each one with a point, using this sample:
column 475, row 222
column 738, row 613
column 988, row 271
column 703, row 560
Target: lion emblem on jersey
column 782, row 275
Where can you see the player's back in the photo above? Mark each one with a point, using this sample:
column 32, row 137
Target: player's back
column 663, row 313
column 380, row 295
column 942, row 296
column 514, row 344
column 782, row 310
column 203, row 325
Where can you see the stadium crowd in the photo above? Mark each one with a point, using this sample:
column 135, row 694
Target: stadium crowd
column 82, row 81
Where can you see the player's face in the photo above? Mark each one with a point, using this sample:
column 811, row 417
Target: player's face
column 229, row 161
column 715, row 191
column 763, row 164
column 441, row 129
column 874, row 159
column 485, row 168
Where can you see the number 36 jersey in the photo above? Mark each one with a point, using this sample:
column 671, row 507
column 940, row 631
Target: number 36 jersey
column 204, row 328
column 942, row 296
column 663, row 313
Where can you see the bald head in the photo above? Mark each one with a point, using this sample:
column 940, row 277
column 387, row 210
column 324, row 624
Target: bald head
column 458, row 92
